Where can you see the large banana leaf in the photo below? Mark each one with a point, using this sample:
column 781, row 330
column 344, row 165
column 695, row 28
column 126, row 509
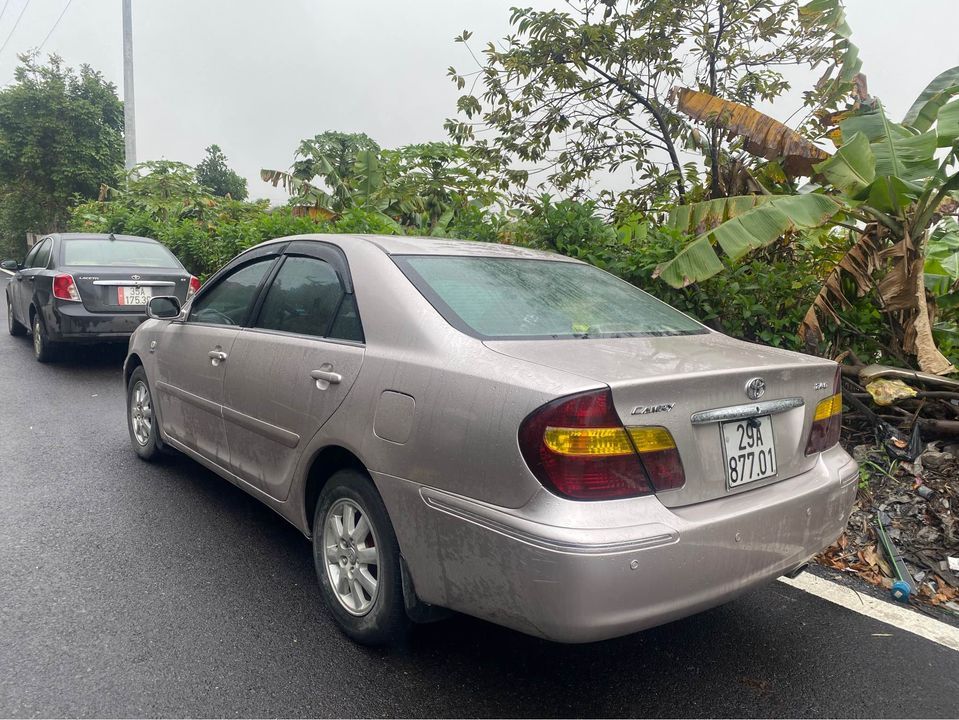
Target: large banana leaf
column 900, row 152
column 922, row 115
column 838, row 77
column 852, row 168
column 697, row 218
column 369, row 175
column 942, row 257
column 947, row 124
column 753, row 229
column 764, row 136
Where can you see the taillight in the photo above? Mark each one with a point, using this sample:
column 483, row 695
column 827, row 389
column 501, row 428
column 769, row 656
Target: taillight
column 660, row 456
column 64, row 288
column 827, row 421
column 577, row 447
column 194, row 287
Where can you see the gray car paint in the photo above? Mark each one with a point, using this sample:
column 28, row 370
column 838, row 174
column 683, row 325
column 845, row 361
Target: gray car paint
column 478, row 532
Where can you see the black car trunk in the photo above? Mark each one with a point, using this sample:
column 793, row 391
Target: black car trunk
column 126, row 289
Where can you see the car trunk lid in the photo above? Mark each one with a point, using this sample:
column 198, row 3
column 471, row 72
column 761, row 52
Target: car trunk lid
column 124, row 289
column 679, row 381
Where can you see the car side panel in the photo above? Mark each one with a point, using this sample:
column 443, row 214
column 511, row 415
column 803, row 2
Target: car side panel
column 272, row 406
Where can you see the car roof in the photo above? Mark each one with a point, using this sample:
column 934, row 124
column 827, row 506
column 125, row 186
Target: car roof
column 412, row 245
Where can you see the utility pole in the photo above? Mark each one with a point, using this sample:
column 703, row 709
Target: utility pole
column 129, row 120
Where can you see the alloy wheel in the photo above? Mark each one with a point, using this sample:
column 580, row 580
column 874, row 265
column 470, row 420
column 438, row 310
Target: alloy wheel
column 141, row 413
column 352, row 556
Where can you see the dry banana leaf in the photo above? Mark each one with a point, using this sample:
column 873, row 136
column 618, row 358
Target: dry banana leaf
column 763, row 136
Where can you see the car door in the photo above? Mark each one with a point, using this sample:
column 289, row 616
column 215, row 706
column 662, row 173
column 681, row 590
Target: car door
column 193, row 354
column 291, row 370
column 16, row 284
column 26, row 278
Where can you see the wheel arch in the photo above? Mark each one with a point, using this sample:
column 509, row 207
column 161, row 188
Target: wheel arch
column 327, row 461
column 132, row 362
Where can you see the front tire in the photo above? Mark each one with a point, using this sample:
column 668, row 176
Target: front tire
column 43, row 350
column 141, row 417
column 14, row 327
column 358, row 560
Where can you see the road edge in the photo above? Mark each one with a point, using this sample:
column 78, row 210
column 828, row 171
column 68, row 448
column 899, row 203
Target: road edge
column 898, row 616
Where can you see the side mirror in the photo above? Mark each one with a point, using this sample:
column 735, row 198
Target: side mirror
column 11, row 265
column 163, row 307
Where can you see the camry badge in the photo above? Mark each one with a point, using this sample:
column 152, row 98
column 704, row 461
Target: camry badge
column 755, row 388
column 650, row 409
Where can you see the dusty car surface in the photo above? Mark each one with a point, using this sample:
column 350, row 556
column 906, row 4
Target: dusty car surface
column 507, row 433
column 89, row 288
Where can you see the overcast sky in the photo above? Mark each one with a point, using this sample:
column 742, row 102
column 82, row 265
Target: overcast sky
column 256, row 76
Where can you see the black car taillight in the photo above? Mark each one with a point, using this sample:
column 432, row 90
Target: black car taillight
column 827, row 421
column 64, row 288
column 578, row 447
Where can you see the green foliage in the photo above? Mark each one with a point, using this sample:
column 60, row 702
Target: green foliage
column 213, row 173
column 584, row 90
column 420, row 188
column 60, row 138
column 164, row 200
column 327, row 170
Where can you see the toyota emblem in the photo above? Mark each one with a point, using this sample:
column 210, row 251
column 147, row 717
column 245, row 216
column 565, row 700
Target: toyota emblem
column 134, row 277
column 755, row 388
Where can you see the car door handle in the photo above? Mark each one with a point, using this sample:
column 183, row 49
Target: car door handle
column 216, row 357
column 331, row 377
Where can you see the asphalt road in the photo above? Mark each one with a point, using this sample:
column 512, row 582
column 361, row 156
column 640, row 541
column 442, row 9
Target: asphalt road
column 129, row 589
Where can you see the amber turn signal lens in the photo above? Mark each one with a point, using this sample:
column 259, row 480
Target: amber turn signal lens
column 660, row 456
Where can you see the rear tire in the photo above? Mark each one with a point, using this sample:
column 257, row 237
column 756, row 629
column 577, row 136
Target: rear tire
column 358, row 561
column 15, row 328
column 142, row 418
column 43, row 350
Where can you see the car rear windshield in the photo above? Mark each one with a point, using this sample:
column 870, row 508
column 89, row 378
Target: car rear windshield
column 508, row 298
column 117, row 253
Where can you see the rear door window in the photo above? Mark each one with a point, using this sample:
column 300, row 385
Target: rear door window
column 42, row 257
column 306, row 298
column 229, row 301
column 504, row 298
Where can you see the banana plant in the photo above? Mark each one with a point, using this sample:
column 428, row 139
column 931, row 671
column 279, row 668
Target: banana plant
column 891, row 183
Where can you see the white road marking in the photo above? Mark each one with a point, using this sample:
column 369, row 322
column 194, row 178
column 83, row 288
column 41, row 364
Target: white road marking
column 898, row 616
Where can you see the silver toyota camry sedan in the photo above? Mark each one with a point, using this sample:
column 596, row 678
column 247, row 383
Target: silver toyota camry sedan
column 506, row 433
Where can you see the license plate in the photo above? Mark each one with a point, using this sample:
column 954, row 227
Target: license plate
column 133, row 295
column 749, row 450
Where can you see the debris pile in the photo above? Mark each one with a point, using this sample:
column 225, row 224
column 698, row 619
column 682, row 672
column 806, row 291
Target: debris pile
column 918, row 501
column 902, row 426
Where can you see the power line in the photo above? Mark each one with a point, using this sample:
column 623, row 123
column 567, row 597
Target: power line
column 4, row 9
column 15, row 25
column 64, row 12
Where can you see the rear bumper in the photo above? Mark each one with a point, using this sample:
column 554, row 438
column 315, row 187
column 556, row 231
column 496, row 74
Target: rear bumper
column 579, row 572
column 72, row 322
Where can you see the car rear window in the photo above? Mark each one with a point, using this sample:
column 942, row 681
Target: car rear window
column 117, row 253
column 508, row 298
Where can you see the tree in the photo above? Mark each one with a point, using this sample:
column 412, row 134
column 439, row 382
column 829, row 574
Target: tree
column 893, row 186
column 427, row 186
column 422, row 187
column 60, row 138
column 213, row 173
column 329, row 158
column 584, row 91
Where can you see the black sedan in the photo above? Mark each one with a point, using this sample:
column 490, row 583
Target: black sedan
column 82, row 288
